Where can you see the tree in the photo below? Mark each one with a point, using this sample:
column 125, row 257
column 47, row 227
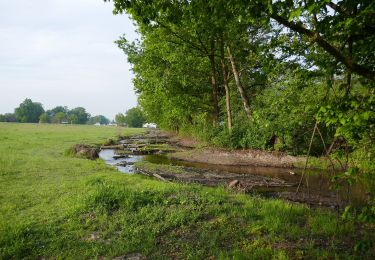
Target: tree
column 29, row 111
column 120, row 119
column 258, row 46
column 344, row 34
column 44, row 118
column 10, row 117
column 134, row 117
column 63, row 109
column 99, row 119
column 59, row 117
column 78, row 115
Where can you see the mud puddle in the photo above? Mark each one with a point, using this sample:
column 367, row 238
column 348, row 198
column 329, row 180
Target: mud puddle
column 124, row 163
column 315, row 189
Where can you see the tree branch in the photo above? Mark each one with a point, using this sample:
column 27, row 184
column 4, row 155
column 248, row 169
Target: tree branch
column 315, row 37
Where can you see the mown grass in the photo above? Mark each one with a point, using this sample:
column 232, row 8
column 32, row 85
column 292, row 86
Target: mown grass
column 57, row 206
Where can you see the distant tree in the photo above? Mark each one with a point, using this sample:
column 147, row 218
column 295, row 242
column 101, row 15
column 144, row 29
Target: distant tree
column 29, row 111
column 72, row 118
column 134, row 117
column 57, row 109
column 78, row 115
column 59, row 117
column 9, row 117
column 120, row 119
column 99, row 119
column 44, row 118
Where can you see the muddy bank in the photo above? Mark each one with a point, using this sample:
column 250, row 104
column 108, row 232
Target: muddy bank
column 193, row 152
column 240, row 158
column 243, row 182
column 164, row 157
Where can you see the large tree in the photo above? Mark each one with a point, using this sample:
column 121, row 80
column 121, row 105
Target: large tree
column 134, row 117
column 29, row 111
column 78, row 115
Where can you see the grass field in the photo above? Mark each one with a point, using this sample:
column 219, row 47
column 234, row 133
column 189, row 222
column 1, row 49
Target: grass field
column 55, row 206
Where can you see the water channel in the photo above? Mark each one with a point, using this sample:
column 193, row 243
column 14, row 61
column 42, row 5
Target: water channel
column 316, row 187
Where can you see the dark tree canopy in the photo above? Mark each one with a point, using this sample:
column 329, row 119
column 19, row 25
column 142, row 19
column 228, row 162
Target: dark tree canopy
column 78, row 115
column 8, row 117
column 29, row 111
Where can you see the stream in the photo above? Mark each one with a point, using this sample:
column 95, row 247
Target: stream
column 315, row 189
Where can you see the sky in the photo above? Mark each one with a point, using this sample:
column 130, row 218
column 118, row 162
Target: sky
column 62, row 52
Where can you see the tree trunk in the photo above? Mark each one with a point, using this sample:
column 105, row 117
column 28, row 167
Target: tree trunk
column 215, row 103
column 244, row 98
column 226, row 86
column 349, row 73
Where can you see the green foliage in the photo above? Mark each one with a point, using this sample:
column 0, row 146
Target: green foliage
column 353, row 116
column 287, row 74
column 8, row 117
column 120, row 119
column 78, row 115
column 99, row 119
column 29, row 111
column 59, row 117
column 134, row 117
column 44, row 118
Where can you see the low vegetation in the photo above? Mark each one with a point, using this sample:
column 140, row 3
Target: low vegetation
column 58, row 206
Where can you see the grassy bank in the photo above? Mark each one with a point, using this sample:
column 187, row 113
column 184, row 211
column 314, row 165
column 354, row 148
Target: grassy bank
column 56, row 206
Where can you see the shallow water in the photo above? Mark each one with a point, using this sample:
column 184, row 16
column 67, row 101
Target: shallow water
column 315, row 183
column 108, row 154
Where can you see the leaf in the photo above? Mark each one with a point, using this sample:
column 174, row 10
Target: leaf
column 366, row 115
column 346, row 213
column 294, row 14
column 311, row 8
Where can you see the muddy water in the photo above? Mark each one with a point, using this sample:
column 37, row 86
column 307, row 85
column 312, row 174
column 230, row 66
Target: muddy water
column 124, row 165
column 315, row 187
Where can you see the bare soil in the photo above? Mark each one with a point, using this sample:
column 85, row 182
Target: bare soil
column 240, row 158
column 230, row 157
column 242, row 182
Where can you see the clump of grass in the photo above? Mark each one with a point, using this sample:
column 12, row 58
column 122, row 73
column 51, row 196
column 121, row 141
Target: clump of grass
column 105, row 198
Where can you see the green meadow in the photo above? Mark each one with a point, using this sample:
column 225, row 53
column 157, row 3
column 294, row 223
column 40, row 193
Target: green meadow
column 55, row 206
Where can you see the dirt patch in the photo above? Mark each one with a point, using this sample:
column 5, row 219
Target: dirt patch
column 243, row 182
column 312, row 199
column 85, row 151
column 240, row 158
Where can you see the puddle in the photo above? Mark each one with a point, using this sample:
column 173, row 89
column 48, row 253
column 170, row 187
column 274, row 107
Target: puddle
column 319, row 185
column 315, row 190
column 124, row 165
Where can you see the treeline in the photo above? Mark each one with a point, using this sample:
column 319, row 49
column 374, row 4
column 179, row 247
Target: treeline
column 33, row 112
column 258, row 74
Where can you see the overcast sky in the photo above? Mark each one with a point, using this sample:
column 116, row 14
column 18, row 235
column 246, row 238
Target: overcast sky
column 62, row 52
